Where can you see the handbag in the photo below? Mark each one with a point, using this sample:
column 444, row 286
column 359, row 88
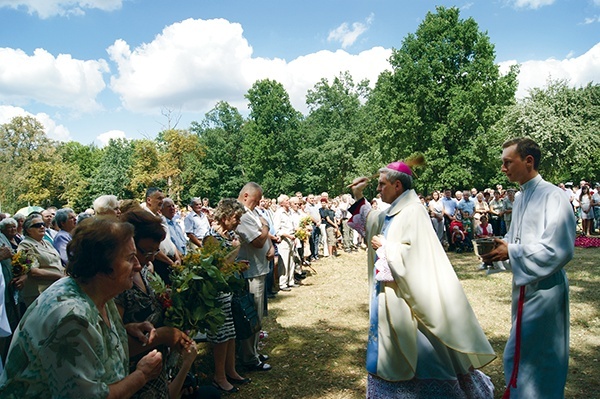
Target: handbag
column 245, row 317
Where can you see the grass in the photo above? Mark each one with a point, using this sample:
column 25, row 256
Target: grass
column 317, row 332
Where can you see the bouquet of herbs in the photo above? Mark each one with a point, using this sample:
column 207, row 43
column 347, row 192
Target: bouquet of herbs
column 191, row 302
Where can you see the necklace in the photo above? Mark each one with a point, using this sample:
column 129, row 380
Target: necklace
column 522, row 213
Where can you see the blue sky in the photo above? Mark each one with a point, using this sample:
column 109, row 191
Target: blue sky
column 94, row 69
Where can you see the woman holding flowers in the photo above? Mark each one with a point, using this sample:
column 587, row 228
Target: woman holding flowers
column 226, row 219
column 139, row 303
column 47, row 266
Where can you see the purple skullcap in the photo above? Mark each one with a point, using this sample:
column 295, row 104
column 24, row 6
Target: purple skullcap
column 400, row 166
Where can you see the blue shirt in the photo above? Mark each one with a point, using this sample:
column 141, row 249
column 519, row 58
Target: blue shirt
column 467, row 206
column 177, row 235
column 449, row 205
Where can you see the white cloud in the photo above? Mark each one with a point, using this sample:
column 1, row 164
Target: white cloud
column 194, row 63
column 51, row 128
column 49, row 8
column 104, row 138
column 533, row 4
column 347, row 36
column 591, row 20
column 301, row 74
column 578, row 71
column 57, row 81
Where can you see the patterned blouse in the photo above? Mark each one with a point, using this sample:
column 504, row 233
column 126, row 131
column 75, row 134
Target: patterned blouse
column 64, row 349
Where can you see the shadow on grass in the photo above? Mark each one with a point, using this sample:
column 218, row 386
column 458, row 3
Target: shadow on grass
column 320, row 361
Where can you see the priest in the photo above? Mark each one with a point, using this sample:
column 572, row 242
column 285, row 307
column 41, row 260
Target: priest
column 424, row 339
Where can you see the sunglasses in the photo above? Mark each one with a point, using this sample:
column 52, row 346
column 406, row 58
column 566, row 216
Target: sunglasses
column 37, row 225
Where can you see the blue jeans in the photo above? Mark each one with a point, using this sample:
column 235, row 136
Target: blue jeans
column 313, row 241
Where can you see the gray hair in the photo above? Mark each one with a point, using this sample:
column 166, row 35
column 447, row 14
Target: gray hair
column 62, row 215
column 393, row 175
column 5, row 222
column 282, row 198
column 105, row 203
column 83, row 216
column 19, row 216
column 196, row 200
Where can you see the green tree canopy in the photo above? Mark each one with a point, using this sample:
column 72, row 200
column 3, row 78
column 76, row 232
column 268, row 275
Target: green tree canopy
column 271, row 137
column 441, row 99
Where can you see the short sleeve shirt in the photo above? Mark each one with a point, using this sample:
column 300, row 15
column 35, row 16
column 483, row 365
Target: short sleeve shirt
column 249, row 229
column 64, row 349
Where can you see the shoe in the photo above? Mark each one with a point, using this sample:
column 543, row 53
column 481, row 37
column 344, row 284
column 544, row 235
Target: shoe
column 263, row 358
column 232, row 390
column 285, row 289
column 483, row 266
column 300, row 276
column 262, row 366
column 293, row 285
column 243, row 381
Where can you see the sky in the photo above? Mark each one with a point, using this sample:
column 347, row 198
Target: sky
column 91, row 70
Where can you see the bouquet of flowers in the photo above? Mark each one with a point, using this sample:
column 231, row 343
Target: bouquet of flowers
column 22, row 262
column 191, row 302
column 304, row 228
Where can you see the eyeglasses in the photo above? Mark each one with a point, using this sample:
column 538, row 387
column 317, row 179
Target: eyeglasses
column 148, row 255
column 37, row 225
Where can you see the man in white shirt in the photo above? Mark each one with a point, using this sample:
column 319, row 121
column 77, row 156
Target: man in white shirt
column 196, row 222
column 257, row 249
column 284, row 228
column 168, row 256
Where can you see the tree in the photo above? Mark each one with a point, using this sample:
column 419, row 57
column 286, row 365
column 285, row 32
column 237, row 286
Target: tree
column 333, row 134
column 565, row 122
column 180, row 156
column 271, row 137
column 114, row 171
column 220, row 135
column 144, row 167
column 26, row 155
column 441, row 98
column 80, row 163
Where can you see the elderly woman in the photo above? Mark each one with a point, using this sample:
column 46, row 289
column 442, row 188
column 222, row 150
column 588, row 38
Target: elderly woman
column 72, row 342
column 107, row 205
column 139, row 303
column 227, row 218
column 66, row 221
column 9, row 227
column 48, row 267
column 20, row 218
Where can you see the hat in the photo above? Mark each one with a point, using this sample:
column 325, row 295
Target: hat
column 400, row 166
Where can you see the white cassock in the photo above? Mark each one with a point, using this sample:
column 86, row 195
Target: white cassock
column 541, row 242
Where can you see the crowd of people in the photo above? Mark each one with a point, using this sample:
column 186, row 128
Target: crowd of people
column 83, row 319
